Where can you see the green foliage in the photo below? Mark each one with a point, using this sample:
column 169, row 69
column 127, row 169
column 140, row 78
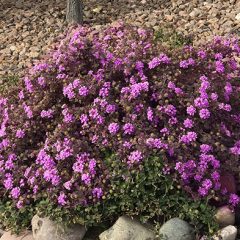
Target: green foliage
column 172, row 38
column 7, row 82
column 147, row 193
column 15, row 219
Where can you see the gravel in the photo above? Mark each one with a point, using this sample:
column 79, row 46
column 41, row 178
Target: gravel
column 27, row 29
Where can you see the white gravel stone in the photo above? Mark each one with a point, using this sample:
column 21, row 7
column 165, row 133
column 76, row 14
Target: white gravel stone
column 238, row 17
column 227, row 233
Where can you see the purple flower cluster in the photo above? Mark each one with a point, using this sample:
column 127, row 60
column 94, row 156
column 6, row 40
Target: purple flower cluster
column 115, row 90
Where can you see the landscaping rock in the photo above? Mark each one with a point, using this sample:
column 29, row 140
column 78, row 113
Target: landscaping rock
column 225, row 216
column 126, row 228
column 44, row 228
column 238, row 17
column 178, row 229
column 40, row 23
column 227, row 233
column 26, row 236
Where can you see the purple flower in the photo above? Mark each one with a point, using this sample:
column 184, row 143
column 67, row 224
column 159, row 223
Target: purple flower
column 139, row 65
column 15, row 192
column 20, row 133
column 188, row 123
column 46, row 113
column 113, row 128
column 188, row 138
column 8, row 182
column 68, row 117
column 27, row 110
column 215, row 176
column 234, row 199
column 225, row 107
column 97, row 192
column 202, row 54
column 41, row 81
column 205, row 148
column 219, row 67
column 158, row 60
column 19, row 204
column 86, row 178
column 183, row 64
column 93, row 113
column 191, row 110
column 204, row 113
column 110, row 108
column 28, row 85
column 68, row 91
column 137, row 88
column 21, row 95
column 127, row 145
column 171, row 85
column 83, row 91
column 68, row 185
column 214, row 96
column 135, row 157
column 149, row 114
column 128, row 128
column 62, row 199
column 228, row 88
column 201, row 102
column 170, row 110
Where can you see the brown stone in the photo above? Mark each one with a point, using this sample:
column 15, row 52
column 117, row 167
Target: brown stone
column 225, row 216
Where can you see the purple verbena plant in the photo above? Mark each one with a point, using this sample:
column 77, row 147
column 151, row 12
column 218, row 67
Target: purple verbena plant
column 119, row 90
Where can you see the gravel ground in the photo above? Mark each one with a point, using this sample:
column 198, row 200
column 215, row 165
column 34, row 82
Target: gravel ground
column 28, row 28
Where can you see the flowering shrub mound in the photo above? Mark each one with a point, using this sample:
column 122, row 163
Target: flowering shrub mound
column 118, row 93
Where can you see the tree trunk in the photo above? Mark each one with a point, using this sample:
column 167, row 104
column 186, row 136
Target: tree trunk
column 74, row 11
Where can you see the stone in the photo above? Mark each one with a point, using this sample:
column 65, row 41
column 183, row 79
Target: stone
column 195, row 13
column 238, row 17
column 178, row 229
column 97, row 9
column 44, row 228
column 33, row 54
column 126, row 228
column 227, row 233
column 225, row 216
column 25, row 236
column 169, row 18
column 12, row 48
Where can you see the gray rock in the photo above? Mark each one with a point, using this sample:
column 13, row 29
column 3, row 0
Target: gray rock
column 126, row 228
column 176, row 229
column 44, row 228
column 227, row 233
column 225, row 216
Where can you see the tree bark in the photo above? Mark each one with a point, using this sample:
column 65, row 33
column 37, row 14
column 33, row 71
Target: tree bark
column 74, row 11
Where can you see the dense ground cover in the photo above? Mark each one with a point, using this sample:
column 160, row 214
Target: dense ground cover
column 112, row 122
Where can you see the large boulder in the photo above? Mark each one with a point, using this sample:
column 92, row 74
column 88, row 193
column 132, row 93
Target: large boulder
column 176, row 229
column 126, row 228
column 225, row 216
column 44, row 228
column 227, row 233
column 25, row 236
